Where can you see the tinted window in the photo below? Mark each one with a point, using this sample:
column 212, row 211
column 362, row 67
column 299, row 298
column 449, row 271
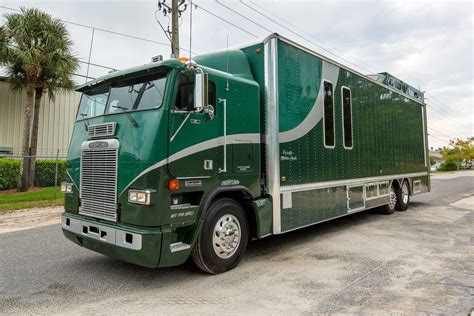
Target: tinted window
column 329, row 136
column 185, row 96
column 347, row 117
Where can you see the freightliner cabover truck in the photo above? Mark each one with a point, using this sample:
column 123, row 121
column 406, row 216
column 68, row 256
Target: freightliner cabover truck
column 175, row 159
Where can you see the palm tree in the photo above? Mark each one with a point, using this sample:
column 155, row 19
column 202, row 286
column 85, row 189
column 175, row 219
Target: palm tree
column 36, row 51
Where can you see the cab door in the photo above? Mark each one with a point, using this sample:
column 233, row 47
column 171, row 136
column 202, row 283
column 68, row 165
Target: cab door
column 193, row 137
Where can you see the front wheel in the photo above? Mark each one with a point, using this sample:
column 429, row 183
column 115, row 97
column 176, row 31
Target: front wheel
column 403, row 198
column 223, row 238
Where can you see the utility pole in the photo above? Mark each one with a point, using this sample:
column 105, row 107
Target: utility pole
column 174, row 29
column 177, row 8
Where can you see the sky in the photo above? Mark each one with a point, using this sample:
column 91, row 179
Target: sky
column 426, row 43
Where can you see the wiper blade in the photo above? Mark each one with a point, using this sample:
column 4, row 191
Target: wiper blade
column 125, row 110
column 86, row 123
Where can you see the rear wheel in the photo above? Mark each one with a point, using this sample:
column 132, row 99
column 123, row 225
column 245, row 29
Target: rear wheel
column 403, row 198
column 223, row 238
column 392, row 204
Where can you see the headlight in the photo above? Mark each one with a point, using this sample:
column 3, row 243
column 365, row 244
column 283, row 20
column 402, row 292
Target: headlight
column 139, row 196
column 66, row 187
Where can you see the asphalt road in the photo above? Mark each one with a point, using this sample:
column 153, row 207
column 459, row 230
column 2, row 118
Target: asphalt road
column 419, row 261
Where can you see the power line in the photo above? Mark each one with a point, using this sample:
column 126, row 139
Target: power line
column 442, row 133
column 304, row 38
column 307, row 33
column 228, row 22
column 107, row 31
column 38, row 65
column 442, row 140
column 79, row 61
column 230, row 9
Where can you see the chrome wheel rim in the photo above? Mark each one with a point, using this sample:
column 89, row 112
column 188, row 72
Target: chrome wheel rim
column 393, row 199
column 405, row 193
column 226, row 236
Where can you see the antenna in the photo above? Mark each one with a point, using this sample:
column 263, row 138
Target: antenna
column 227, row 63
column 190, row 29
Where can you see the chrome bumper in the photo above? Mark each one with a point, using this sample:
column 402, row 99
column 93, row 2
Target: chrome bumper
column 102, row 233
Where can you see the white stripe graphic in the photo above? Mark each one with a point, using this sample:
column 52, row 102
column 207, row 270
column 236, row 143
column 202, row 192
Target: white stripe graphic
column 208, row 144
column 329, row 72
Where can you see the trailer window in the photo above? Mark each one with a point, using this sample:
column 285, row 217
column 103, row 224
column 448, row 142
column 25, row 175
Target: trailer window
column 347, row 117
column 329, row 134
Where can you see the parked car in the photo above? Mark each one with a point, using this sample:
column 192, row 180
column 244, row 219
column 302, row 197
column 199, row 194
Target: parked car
column 435, row 167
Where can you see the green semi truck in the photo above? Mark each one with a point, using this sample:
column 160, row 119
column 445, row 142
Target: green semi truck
column 175, row 159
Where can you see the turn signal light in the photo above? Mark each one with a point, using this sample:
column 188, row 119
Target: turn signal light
column 173, row 185
column 183, row 59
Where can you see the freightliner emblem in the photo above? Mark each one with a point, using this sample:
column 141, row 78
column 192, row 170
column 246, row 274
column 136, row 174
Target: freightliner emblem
column 98, row 145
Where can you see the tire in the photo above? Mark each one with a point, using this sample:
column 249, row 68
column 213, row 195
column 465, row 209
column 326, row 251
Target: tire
column 390, row 208
column 403, row 198
column 223, row 239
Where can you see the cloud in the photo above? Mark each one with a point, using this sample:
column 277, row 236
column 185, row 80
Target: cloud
column 428, row 44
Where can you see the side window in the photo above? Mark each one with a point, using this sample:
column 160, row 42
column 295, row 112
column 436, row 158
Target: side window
column 328, row 117
column 347, row 117
column 185, row 96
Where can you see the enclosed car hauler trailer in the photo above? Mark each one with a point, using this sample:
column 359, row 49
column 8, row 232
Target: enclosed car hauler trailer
column 173, row 159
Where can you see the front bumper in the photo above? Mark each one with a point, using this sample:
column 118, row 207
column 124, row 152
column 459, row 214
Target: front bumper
column 137, row 246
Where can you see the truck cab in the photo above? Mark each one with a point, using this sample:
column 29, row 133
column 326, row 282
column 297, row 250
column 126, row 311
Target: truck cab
column 153, row 148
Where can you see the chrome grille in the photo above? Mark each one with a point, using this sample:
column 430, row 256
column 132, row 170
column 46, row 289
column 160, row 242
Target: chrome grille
column 100, row 130
column 98, row 186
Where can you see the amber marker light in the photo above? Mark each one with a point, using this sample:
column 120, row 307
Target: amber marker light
column 173, row 185
column 183, row 59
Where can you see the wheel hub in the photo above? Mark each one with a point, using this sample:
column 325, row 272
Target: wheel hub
column 405, row 193
column 226, row 236
column 393, row 199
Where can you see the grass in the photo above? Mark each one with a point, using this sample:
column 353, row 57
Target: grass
column 41, row 197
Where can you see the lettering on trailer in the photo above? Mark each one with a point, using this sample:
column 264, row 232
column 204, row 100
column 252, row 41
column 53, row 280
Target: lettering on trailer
column 288, row 156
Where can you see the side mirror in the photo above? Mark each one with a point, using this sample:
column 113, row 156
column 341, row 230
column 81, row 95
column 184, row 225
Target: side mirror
column 209, row 110
column 200, row 92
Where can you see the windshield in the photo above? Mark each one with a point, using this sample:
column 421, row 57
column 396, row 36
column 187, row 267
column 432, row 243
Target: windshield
column 146, row 92
column 138, row 94
column 93, row 103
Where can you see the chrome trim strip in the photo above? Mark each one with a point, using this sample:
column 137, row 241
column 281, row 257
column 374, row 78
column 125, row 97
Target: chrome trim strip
column 111, row 144
column 192, row 178
column 114, row 236
column 272, row 145
column 224, row 101
column 329, row 219
column 180, row 127
column 425, row 133
column 330, row 184
column 182, row 206
column 179, row 246
column 415, row 184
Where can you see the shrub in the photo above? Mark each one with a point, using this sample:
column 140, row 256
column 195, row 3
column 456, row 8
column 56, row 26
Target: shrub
column 46, row 170
column 9, row 173
column 448, row 165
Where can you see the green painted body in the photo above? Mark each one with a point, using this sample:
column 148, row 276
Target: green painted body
column 388, row 139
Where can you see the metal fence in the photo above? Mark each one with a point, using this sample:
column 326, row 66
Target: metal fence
column 42, row 171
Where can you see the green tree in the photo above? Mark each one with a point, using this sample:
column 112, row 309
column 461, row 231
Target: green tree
column 460, row 150
column 36, row 51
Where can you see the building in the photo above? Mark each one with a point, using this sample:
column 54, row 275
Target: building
column 56, row 121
